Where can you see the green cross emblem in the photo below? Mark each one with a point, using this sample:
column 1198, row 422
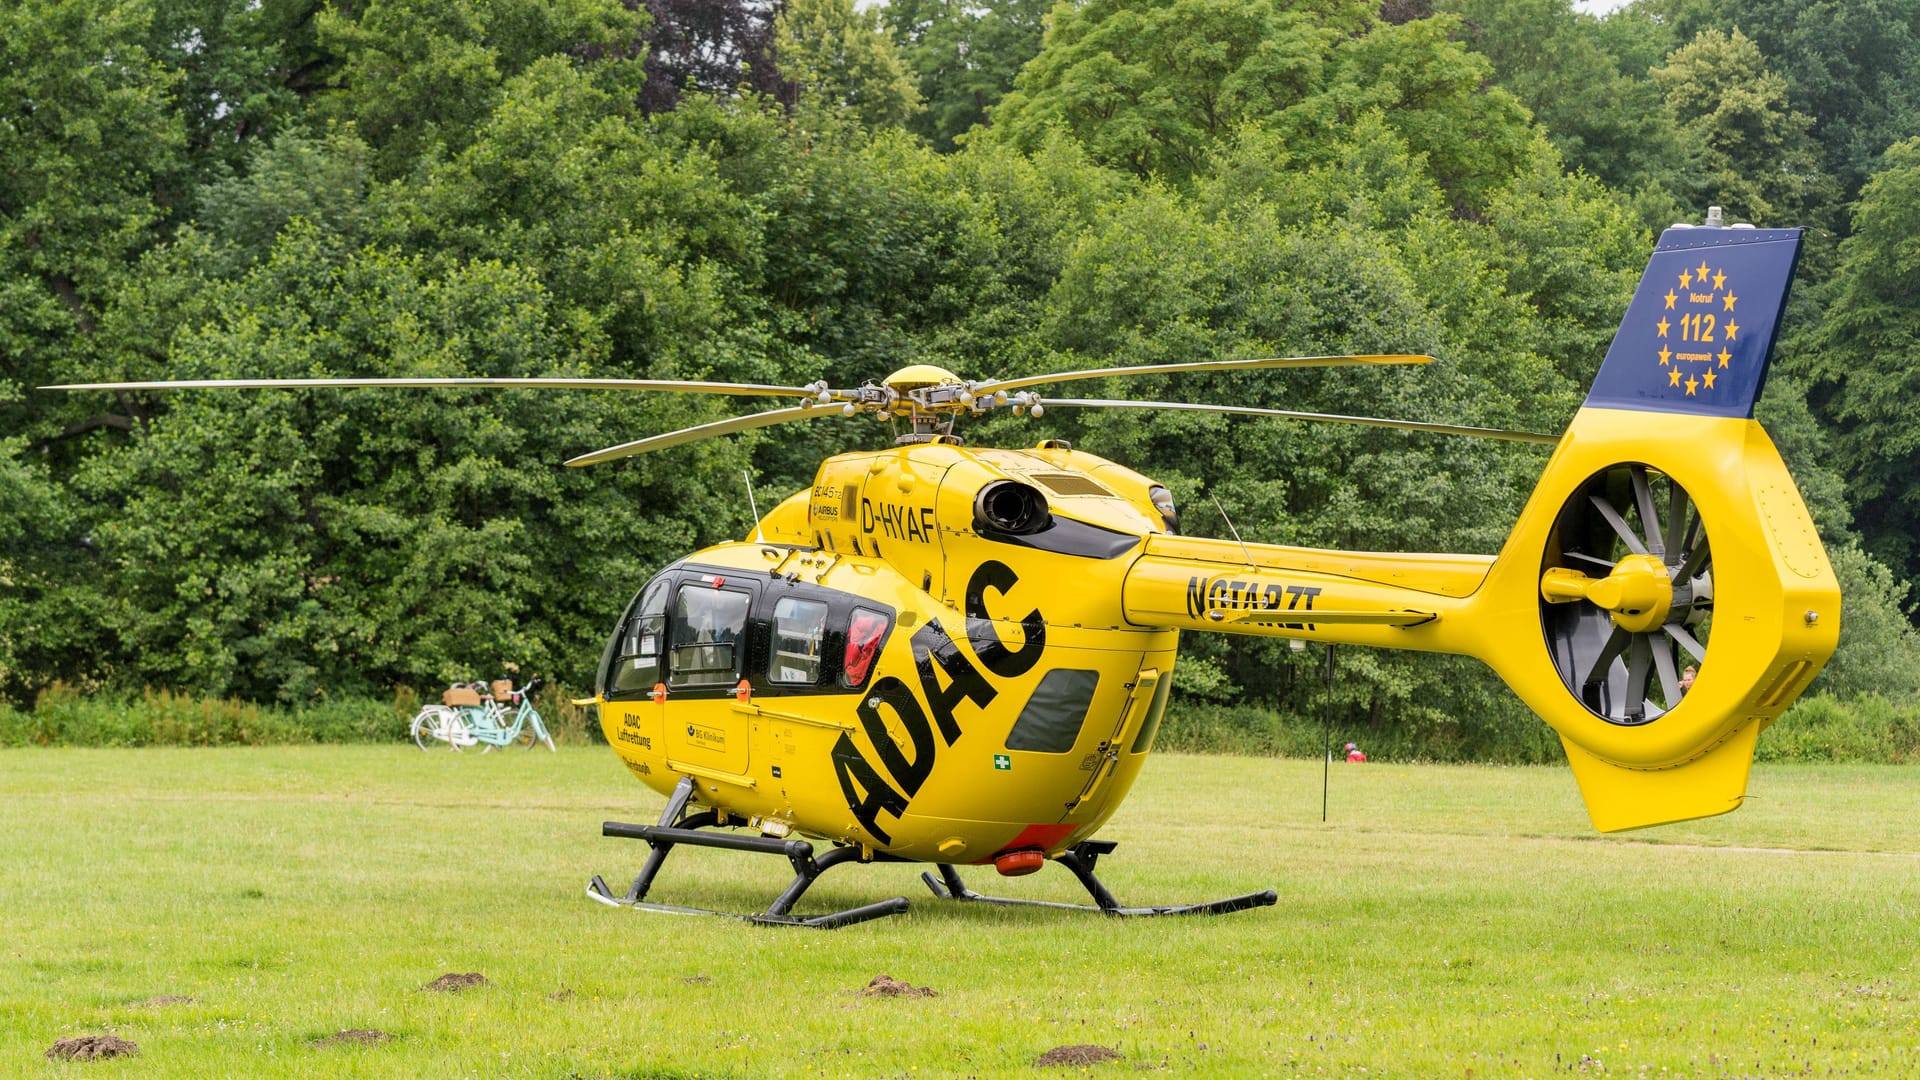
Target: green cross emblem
column 1002, row 762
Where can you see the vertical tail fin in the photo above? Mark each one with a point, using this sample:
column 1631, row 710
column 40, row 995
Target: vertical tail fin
column 1699, row 332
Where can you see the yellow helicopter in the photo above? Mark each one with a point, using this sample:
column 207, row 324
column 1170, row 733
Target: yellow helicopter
column 957, row 655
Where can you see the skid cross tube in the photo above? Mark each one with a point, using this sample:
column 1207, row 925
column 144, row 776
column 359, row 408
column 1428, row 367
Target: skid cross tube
column 1080, row 858
column 673, row 830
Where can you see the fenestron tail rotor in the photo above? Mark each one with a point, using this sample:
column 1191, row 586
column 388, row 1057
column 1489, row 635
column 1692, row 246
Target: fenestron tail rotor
column 1627, row 593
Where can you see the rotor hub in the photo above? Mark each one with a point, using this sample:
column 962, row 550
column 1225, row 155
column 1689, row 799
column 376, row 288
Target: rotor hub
column 1638, row 594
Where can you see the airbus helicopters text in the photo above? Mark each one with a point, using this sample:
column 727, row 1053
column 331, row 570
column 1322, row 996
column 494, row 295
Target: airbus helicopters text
column 894, row 663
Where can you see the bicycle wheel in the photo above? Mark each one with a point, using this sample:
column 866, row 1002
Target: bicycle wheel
column 458, row 735
column 427, row 726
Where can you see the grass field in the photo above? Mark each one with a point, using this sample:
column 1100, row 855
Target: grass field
column 1447, row 922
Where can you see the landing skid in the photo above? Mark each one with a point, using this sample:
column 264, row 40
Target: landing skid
column 1080, row 859
column 675, row 829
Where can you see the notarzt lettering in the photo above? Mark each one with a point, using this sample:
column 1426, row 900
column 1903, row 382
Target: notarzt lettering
column 1224, row 594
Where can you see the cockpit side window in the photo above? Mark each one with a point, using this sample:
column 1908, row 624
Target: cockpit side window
column 631, row 668
column 707, row 631
column 799, row 641
column 865, row 632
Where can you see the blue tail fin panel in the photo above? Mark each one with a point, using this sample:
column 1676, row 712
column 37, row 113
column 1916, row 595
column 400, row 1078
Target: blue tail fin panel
column 1699, row 331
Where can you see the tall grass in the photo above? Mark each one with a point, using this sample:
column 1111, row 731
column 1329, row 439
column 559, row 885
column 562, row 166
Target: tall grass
column 1820, row 728
column 64, row 716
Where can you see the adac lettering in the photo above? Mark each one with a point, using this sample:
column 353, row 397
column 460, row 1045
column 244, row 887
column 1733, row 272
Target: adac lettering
column 897, row 520
column 949, row 683
column 1226, row 594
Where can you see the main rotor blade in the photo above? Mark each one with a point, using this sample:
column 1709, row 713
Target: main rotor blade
column 1334, row 418
column 674, row 385
column 704, row 431
column 1204, row 365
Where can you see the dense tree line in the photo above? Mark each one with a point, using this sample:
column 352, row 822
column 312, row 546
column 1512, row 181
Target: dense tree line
column 784, row 190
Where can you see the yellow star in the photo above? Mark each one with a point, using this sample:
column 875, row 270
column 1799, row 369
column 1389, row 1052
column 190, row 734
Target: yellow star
column 1724, row 357
column 1707, row 377
column 1686, row 278
column 1666, row 354
column 1663, row 324
column 1729, row 298
column 1702, row 275
column 1692, row 385
column 1732, row 329
column 1719, row 279
column 1670, row 299
column 1673, row 376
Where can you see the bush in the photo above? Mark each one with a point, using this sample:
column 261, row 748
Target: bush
column 66, row 716
column 1196, row 727
column 1822, row 727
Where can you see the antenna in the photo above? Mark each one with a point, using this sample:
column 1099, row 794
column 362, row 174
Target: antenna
column 747, row 478
column 1326, row 714
column 1231, row 529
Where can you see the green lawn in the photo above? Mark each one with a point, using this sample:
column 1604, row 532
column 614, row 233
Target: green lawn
column 1447, row 921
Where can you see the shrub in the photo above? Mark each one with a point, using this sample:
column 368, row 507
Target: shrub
column 1822, row 727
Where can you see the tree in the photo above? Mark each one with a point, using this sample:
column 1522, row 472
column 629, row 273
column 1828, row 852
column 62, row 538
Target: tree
column 1864, row 359
column 1603, row 114
column 418, row 76
column 965, row 56
column 716, row 47
column 841, row 59
column 1150, row 86
column 1848, row 65
column 1747, row 150
column 1158, row 88
column 278, row 545
column 91, row 145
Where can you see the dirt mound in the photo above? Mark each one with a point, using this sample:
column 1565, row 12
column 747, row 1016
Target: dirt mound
column 1077, row 1055
column 454, row 982
column 88, row 1047
column 888, row 986
column 161, row 1000
column 354, row 1037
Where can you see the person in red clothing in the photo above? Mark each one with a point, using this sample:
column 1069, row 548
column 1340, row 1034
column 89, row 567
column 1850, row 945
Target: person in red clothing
column 1354, row 753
